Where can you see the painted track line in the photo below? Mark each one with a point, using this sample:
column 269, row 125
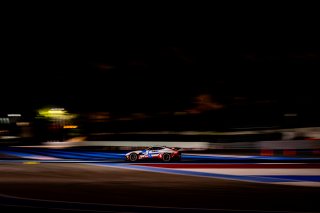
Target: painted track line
column 254, row 179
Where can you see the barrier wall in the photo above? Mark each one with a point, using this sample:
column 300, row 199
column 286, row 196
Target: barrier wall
column 132, row 144
column 259, row 145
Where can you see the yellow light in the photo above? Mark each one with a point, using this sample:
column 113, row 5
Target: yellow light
column 56, row 111
column 31, row 162
column 70, row 127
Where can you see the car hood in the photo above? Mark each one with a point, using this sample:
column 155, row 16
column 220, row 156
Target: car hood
column 137, row 152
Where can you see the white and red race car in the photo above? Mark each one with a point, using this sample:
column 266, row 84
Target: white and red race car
column 163, row 153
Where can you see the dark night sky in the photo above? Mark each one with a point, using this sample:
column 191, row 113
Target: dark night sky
column 137, row 69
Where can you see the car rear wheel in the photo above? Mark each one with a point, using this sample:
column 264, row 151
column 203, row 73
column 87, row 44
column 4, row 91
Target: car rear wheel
column 166, row 157
column 133, row 157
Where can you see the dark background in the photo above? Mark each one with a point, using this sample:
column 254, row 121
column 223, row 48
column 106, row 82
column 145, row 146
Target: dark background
column 246, row 65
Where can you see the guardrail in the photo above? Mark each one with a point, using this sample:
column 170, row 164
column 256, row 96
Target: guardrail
column 259, row 145
column 132, row 144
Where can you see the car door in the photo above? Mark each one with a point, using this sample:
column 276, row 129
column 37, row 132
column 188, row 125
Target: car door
column 154, row 152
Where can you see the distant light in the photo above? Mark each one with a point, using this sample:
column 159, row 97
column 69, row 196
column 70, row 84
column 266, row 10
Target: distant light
column 23, row 123
column 290, row 115
column 180, row 113
column 56, row 114
column 4, row 120
column 31, row 162
column 8, row 137
column 56, row 111
column 14, row 115
column 70, row 127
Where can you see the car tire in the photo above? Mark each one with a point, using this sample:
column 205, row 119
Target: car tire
column 133, row 157
column 166, row 157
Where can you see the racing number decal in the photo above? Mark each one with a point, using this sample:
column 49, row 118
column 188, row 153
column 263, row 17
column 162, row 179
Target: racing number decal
column 150, row 153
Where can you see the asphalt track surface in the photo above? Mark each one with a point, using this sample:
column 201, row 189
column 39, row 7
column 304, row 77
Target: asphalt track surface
column 65, row 182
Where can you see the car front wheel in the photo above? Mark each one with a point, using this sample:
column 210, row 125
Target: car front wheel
column 133, row 157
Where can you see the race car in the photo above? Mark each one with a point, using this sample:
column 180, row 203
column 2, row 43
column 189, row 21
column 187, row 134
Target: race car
column 163, row 153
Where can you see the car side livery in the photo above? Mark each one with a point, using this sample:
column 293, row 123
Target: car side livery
column 163, row 153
